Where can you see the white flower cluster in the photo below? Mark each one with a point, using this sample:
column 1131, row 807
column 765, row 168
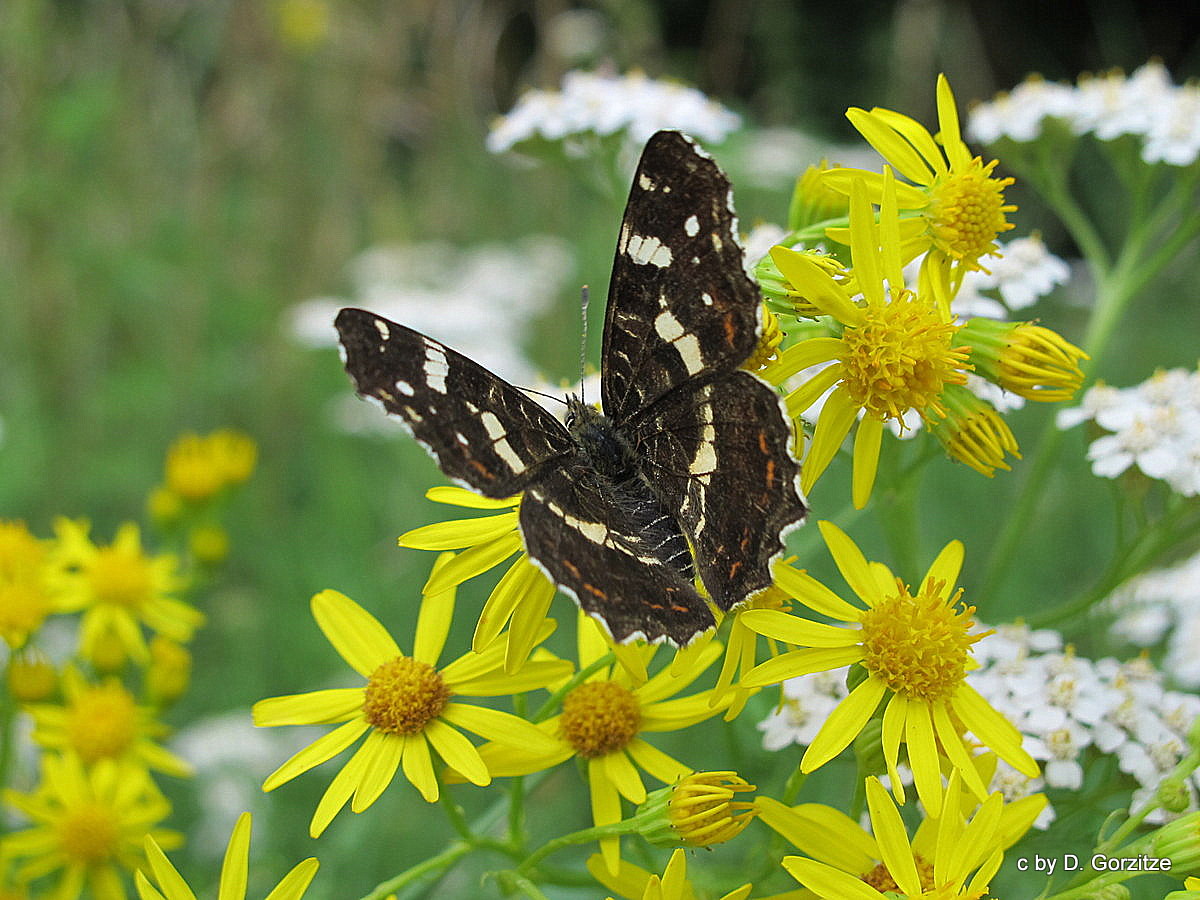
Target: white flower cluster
column 807, row 703
column 605, row 104
column 1022, row 272
column 1067, row 706
column 1164, row 603
column 1155, row 425
column 1146, row 104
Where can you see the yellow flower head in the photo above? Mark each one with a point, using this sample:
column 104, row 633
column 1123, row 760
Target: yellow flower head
column 604, row 718
column 949, row 858
column 523, row 595
column 89, row 824
column 198, row 467
column 169, row 673
column 897, row 351
column 635, row 883
column 234, row 872
column 915, row 650
column 103, row 721
column 31, row 677
column 960, row 203
column 120, row 589
column 1030, row 360
column 25, row 600
column 406, row 706
column 699, row 810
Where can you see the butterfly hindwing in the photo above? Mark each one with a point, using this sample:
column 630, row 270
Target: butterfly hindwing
column 680, row 305
column 720, row 456
column 623, row 566
column 482, row 430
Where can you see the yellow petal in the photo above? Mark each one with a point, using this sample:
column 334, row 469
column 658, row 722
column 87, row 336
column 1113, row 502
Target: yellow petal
column 894, row 716
column 843, row 724
column 889, row 234
column 628, row 881
column 822, row 832
column 837, row 416
column 606, row 810
column 528, row 627
column 314, row 708
column 800, row 356
column 459, row 496
column 894, row 848
column 947, row 566
column 472, row 562
column 381, row 758
column 923, row 757
column 909, row 130
column 147, row 892
column 815, row 284
column 866, row 458
column 296, row 882
column 322, row 749
column 907, row 197
column 458, row 752
column 457, row 534
column 665, row 768
column 878, row 127
column 502, row 727
column 826, row 881
column 864, row 245
column 235, row 868
column 500, row 604
column 336, row 795
column 800, row 662
column 799, row 400
column 781, row 626
column 951, row 743
column 816, row 596
column 433, row 620
column 993, row 729
column 356, row 634
column 624, row 777
column 165, row 874
column 418, row 766
column 850, row 562
column 949, row 131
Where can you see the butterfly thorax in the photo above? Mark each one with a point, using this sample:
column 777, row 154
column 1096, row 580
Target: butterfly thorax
column 608, row 451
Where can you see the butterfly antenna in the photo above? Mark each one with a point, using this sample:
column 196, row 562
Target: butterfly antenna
column 584, row 296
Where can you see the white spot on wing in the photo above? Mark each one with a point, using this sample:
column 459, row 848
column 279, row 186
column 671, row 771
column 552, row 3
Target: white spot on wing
column 645, row 183
column 707, row 298
column 436, row 367
column 692, row 226
column 667, row 326
column 689, row 351
column 404, row 388
column 647, row 250
column 381, row 327
column 491, row 424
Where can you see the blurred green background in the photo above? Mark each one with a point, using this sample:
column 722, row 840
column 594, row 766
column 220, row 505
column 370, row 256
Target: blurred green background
column 175, row 176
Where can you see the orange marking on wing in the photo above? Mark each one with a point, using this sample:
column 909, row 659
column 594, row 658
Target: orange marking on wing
column 730, row 330
column 595, row 591
column 574, row 569
column 762, row 443
column 733, row 570
column 678, row 608
column 770, row 472
column 483, row 470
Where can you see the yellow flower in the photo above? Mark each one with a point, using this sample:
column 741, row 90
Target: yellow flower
column 635, row 883
column 406, row 706
column 25, row 601
column 960, row 203
column 169, row 672
column 89, row 824
column 915, row 651
column 851, row 864
column 234, row 872
column 198, row 467
column 522, row 597
column 603, row 720
column 119, row 588
column 31, row 677
column 699, row 810
column 896, row 352
column 102, row 721
column 1030, row 360
column 741, row 649
column 973, row 432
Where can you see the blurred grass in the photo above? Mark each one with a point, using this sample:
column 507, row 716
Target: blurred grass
column 174, row 176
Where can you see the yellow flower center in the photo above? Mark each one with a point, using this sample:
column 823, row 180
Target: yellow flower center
column 767, row 350
column 966, row 212
column 88, row 834
column 121, row 578
column 881, row 879
column 403, row 695
column 599, row 718
column 102, row 722
column 23, row 607
column 900, row 358
column 918, row 646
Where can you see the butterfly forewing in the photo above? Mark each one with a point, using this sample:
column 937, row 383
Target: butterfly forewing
column 482, row 430
column 680, row 305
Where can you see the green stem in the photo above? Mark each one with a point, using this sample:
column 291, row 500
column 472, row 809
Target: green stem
column 438, row 863
column 584, row 836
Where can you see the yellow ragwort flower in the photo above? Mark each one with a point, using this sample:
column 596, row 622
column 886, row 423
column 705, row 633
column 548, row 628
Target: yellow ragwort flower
column 635, row 883
column 1030, row 360
column 88, row 824
column 915, row 651
column 698, row 810
column 407, row 706
column 198, row 467
column 949, row 858
column 522, row 597
column 603, row 721
column 120, row 589
column 897, row 350
column 234, row 872
column 959, row 203
column 25, row 599
column 103, row 721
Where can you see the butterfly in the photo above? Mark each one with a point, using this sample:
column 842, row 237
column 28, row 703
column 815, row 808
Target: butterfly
column 685, row 468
